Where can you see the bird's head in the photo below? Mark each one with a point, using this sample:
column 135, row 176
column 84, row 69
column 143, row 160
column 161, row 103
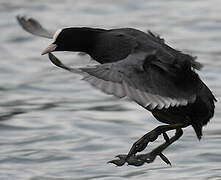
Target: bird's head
column 71, row 39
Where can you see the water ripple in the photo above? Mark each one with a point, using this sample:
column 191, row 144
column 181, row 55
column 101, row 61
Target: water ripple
column 53, row 126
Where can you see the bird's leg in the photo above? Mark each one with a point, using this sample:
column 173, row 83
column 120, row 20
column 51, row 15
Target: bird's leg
column 151, row 136
column 139, row 160
column 150, row 157
column 141, row 144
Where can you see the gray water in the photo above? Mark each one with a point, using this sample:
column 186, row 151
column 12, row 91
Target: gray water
column 55, row 126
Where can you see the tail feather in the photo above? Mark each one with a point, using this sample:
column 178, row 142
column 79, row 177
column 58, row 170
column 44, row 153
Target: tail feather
column 198, row 130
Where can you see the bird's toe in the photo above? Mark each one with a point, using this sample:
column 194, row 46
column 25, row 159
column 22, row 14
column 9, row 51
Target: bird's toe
column 117, row 162
column 135, row 161
column 130, row 160
column 120, row 161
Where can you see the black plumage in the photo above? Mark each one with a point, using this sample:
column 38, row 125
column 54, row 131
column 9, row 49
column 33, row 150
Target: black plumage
column 140, row 66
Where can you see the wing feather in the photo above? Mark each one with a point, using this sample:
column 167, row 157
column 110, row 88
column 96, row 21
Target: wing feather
column 32, row 26
column 114, row 79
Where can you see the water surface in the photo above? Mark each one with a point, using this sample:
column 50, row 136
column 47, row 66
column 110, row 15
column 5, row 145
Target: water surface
column 55, row 126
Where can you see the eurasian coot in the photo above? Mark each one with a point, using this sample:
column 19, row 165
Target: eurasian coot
column 140, row 66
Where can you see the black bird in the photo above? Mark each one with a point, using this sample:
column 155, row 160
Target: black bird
column 142, row 67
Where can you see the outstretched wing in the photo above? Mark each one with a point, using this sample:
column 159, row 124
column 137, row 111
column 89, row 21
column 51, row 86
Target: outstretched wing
column 126, row 78
column 34, row 27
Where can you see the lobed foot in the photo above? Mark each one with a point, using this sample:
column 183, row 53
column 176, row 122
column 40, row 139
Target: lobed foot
column 138, row 160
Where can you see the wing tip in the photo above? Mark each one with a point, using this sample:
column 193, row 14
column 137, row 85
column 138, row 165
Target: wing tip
column 57, row 62
column 32, row 26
